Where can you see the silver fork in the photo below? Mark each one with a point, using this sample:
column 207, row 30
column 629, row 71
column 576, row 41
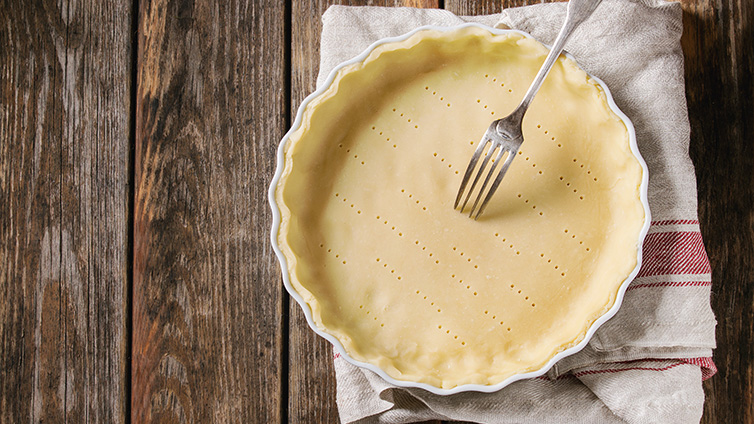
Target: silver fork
column 504, row 134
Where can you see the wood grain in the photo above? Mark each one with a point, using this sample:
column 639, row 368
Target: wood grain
column 207, row 305
column 478, row 7
column 718, row 46
column 64, row 168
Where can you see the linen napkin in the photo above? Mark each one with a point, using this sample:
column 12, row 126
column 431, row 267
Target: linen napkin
column 647, row 363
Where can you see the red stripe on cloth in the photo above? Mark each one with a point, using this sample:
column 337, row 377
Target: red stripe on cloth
column 336, row 355
column 708, row 367
column 677, row 222
column 614, row 370
column 670, row 284
column 676, row 252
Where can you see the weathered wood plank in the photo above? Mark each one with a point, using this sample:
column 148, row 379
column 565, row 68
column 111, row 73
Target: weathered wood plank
column 486, row 7
column 476, row 7
column 311, row 385
column 718, row 45
column 64, row 149
column 207, row 305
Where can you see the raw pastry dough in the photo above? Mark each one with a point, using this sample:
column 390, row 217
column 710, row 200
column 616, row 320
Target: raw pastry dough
column 409, row 284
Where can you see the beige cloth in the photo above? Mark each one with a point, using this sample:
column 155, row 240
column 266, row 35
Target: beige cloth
column 646, row 364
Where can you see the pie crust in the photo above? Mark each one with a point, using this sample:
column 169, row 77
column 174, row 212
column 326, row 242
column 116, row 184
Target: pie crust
column 404, row 282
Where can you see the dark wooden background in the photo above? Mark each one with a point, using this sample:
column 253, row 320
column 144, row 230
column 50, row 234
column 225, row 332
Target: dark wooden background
column 137, row 140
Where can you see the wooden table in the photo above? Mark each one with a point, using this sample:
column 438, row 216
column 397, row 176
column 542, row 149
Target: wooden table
column 137, row 140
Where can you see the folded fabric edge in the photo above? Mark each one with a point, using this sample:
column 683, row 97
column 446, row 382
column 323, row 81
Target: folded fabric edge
column 706, row 364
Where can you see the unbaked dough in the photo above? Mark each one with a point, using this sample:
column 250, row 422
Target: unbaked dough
column 409, row 284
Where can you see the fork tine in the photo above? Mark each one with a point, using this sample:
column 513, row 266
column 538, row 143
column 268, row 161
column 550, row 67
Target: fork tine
column 479, row 173
column 487, row 179
column 469, row 169
column 496, row 183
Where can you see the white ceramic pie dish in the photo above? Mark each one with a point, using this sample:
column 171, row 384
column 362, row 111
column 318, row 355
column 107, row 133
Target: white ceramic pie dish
column 465, row 387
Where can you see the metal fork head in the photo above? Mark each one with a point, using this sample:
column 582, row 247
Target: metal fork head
column 501, row 140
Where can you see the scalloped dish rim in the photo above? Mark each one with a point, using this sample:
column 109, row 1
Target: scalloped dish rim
column 276, row 220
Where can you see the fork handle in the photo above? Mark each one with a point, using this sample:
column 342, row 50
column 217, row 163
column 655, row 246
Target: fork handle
column 577, row 12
